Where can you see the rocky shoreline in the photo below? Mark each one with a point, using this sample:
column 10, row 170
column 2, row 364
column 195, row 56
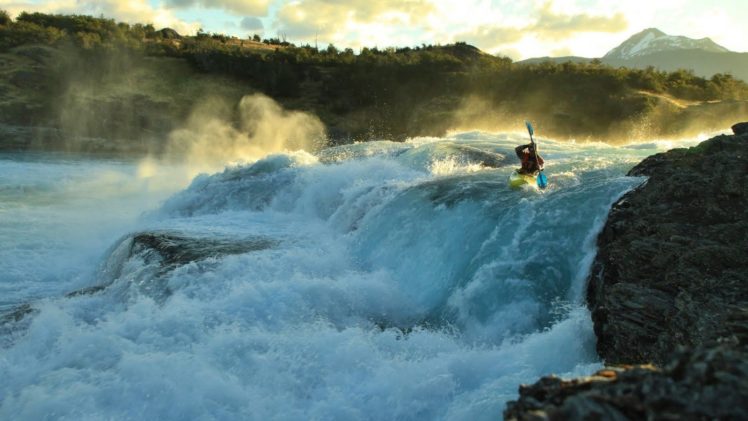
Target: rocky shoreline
column 668, row 289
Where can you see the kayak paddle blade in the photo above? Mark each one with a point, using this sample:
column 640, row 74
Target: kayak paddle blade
column 542, row 181
column 529, row 128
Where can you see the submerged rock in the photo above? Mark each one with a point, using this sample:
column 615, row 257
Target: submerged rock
column 13, row 322
column 176, row 250
column 152, row 256
column 160, row 252
column 483, row 158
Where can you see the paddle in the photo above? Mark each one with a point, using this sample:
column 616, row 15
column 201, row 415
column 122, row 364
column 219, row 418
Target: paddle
column 541, row 179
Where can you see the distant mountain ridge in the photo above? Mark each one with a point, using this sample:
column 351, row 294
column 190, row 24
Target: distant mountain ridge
column 703, row 63
column 563, row 59
column 652, row 47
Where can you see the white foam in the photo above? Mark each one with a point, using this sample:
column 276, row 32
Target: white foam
column 391, row 292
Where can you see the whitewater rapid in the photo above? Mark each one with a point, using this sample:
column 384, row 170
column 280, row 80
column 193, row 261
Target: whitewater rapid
column 371, row 281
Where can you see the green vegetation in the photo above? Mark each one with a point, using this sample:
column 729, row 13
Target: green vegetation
column 4, row 18
column 392, row 92
column 83, row 31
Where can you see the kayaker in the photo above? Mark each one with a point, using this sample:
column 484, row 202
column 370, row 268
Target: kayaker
column 527, row 154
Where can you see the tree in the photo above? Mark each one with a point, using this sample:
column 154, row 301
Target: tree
column 5, row 18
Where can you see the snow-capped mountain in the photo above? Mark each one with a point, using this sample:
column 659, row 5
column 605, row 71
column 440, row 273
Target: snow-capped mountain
column 652, row 40
column 655, row 48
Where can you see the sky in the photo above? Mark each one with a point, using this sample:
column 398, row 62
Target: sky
column 517, row 29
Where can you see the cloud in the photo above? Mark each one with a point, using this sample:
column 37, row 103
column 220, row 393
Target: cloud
column 132, row 11
column 251, row 24
column 16, row 7
column 542, row 24
column 490, row 36
column 562, row 52
column 335, row 19
column 512, row 53
column 240, row 7
column 494, row 28
column 500, row 26
column 551, row 25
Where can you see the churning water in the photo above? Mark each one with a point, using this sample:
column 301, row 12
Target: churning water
column 372, row 281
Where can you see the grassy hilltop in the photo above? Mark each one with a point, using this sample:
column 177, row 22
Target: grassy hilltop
column 64, row 77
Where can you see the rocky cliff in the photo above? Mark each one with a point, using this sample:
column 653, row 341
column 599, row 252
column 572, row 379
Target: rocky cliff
column 668, row 287
column 672, row 263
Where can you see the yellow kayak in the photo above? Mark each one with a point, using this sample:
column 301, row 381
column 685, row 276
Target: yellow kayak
column 517, row 180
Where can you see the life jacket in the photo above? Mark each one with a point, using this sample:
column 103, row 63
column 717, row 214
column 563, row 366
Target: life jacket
column 529, row 164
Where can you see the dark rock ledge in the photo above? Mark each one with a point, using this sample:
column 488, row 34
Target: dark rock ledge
column 668, row 289
column 158, row 253
column 705, row 384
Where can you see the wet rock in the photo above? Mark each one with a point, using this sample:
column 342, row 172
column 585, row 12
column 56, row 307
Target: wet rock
column 480, row 157
column 14, row 322
column 155, row 254
column 251, row 187
column 449, row 191
column 672, row 262
column 459, row 154
column 160, row 252
column 177, row 250
column 703, row 384
column 17, row 314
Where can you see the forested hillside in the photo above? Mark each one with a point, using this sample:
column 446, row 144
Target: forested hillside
column 67, row 77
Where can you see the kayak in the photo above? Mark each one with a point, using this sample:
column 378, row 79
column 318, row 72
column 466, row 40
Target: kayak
column 517, row 180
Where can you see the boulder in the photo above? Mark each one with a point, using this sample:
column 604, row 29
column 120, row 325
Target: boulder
column 168, row 33
column 740, row 128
